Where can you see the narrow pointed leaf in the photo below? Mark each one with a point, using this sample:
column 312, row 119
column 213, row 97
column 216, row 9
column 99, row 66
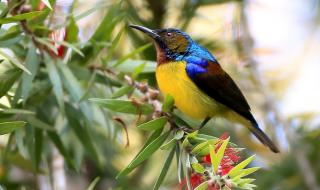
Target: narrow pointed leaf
column 198, row 168
column 62, row 149
column 144, row 154
column 122, row 91
column 245, row 172
column 153, row 124
column 213, row 159
column 179, row 135
column 202, row 186
column 17, row 111
column 136, row 51
column 15, row 62
column 38, row 137
column 168, row 103
column 32, row 64
column 124, row 106
column 93, row 183
column 9, row 127
column 20, row 17
column 7, row 79
column 235, row 171
column 199, row 147
column 56, row 82
column 169, row 144
column 220, row 154
column 164, row 170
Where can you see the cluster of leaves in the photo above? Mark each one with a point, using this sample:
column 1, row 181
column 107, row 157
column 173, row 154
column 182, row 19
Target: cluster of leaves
column 206, row 161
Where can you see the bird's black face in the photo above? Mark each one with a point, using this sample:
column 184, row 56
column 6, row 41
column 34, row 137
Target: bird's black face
column 172, row 41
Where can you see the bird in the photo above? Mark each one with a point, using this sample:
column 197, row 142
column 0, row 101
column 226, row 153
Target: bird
column 200, row 87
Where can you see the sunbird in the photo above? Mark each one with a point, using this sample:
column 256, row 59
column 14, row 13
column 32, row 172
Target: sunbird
column 200, row 87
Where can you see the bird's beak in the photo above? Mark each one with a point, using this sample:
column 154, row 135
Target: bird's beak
column 147, row 31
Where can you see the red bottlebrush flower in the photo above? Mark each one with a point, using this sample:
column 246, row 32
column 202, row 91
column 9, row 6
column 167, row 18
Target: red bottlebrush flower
column 58, row 35
column 195, row 180
column 230, row 157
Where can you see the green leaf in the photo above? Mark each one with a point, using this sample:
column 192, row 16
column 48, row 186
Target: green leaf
column 138, row 70
column 15, row 62
column 112, row 48
column 82, row 132
column 7, row 79
column 38, row 142
column 90, row 11
column 71, row 46
column 48, row 44
column 93, row 183
column 168, row 103
column 123, row 106
column 75, row 90
column 219, row 155
column 193, row 134
column 179, row 135
column 56, row 81
column 154, row 124
column 35, row 122
column 32, row 64
column 164, row 170
column 152, row 137
column 212, row 159
column 136, row 51
column 202, row 186
column 144, row 154
column 20, row 17
column 169, row 144
column 55, row 138
column 185, row 142
column 237, row 169
column 245, row 172
column 10, row 38
column 21, row 162
column 129, row 65
column 17, row 111
column 123, row 91
column 199, row 147
column 9, row 127
column 245, row 181
column 72, row 30
column 198, row 168
column 47, row 3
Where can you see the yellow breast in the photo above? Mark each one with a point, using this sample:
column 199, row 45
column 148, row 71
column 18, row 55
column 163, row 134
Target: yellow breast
column 172, row 79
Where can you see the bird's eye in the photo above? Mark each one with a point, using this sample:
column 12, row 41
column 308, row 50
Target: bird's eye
column 169, row 34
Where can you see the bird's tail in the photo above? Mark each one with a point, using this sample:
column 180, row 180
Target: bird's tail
column 262, row 136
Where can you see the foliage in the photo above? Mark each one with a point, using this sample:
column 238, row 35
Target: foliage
column 70, row 99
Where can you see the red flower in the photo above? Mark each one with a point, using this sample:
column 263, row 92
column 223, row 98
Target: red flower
column 58, row 35
column 230, row 157
column 195, row 180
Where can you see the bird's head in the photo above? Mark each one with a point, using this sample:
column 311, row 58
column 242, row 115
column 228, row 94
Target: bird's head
column 171, row 43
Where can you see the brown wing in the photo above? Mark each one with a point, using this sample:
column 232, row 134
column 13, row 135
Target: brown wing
column 220, row 86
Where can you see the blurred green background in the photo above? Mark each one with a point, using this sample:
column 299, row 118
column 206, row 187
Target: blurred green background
column 84, row 49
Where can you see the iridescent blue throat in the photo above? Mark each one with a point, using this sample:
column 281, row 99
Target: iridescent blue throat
column 195, row 56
